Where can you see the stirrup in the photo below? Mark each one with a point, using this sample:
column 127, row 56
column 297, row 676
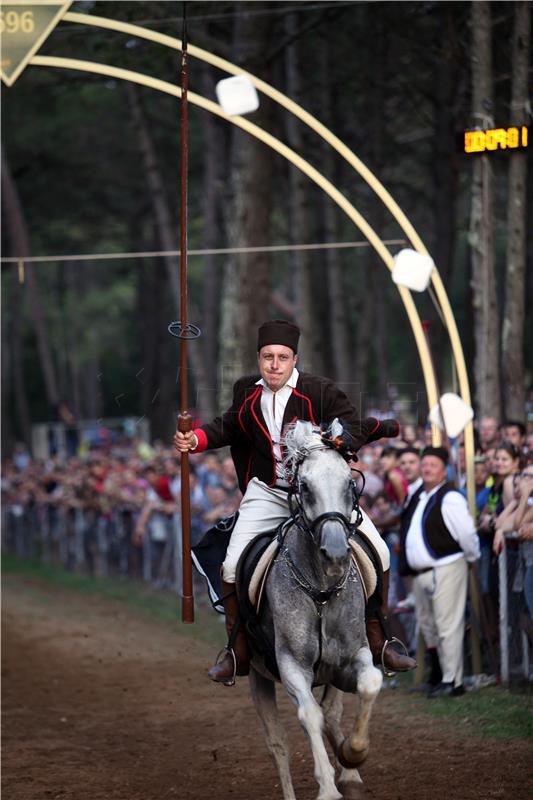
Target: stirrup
column 227, row 651
column 387, row 672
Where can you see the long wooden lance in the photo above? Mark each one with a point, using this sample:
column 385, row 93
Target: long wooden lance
column 184, row 418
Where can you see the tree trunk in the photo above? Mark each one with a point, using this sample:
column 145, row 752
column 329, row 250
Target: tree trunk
column 448, row 95
column 74, row 335
column 380, row 283
column 20, row 246
column 337, row 295
column 486, row 325
column 214, row 142
column 247, row 284
column 163, row 420
column 311, row 346
column 5, row 364
column 513, row 314
column 15, row 322
column 92, row 379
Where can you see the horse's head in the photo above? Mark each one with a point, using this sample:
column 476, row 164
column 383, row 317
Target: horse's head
column 323, row 493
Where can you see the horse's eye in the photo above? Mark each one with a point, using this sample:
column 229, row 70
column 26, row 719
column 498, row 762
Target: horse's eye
column 304, row 488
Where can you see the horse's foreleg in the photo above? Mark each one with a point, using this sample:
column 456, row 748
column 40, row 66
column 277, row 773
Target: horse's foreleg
column 298, row 686
column 349, row 781
column 264, row 697
column 354, row 749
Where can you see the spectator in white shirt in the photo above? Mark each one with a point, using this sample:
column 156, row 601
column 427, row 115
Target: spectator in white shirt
column 440, row 542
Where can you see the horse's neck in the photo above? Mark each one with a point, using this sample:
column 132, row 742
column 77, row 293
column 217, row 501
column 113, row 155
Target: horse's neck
column 304, row 554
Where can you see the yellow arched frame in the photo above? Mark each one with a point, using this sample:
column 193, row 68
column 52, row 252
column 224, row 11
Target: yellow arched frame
column 328, row 136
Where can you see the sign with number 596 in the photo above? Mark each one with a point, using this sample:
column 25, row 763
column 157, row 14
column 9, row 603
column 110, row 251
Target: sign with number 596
column 23, row 28
column 15, row 22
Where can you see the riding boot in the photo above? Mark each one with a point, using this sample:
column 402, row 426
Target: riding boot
column 236, row 660
column 379, row 639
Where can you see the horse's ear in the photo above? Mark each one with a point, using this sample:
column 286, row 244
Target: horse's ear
column 294, row 434
column 336, row 428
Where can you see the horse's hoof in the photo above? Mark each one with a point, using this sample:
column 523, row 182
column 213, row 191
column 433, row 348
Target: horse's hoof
column 353, row 790
column 350, row 758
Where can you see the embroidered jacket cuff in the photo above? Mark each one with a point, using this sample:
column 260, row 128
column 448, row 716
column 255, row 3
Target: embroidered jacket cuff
column 201, row 440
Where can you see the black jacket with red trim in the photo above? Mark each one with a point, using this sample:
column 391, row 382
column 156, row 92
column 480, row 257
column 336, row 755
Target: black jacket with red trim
column 244, row 429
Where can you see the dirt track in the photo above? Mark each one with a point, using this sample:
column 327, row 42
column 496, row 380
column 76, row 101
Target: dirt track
column 99, row 702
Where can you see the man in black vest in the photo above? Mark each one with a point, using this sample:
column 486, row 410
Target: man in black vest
column 438, row 540
column 410, row 466
column 262, row 405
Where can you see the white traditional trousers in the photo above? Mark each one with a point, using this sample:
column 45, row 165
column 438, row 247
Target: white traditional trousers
column 440, row 602
column 262, row 509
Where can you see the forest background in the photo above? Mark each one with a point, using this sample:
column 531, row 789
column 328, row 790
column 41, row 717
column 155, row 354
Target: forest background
column 91, row 165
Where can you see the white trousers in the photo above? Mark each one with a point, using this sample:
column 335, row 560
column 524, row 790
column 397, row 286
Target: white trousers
column 262, row 509
column 440, row 603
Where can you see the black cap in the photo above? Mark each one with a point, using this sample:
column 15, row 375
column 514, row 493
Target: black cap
column 414, row 450
column 278, row 331
column 439, row 452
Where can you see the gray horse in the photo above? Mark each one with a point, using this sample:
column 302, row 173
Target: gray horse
column 315, row 614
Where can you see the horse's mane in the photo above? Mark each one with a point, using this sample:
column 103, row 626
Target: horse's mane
column 298, row 439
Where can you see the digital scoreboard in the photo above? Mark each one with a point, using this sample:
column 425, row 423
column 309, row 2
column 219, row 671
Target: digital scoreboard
column 494, row 139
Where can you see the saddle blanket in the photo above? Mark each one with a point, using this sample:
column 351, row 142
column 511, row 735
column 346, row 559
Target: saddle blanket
column 360, row 559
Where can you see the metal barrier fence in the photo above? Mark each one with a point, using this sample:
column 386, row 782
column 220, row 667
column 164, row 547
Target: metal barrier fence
column 88, row 542
column 516, row 653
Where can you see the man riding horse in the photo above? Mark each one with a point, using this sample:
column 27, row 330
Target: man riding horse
column 262, row 405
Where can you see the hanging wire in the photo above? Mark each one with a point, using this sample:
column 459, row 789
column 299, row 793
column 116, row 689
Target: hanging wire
column 436, row 305
column 275, row 248
column 272, row 12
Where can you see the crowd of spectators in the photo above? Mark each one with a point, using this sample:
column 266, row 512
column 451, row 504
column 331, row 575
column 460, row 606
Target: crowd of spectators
column 119, row 512
column 503, row 467
column 112, row 512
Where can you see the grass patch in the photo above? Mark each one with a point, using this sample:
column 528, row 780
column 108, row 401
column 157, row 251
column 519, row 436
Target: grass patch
column 159, row 604
column 494, row 712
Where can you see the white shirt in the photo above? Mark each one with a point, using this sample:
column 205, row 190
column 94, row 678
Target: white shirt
column 411, row 489
column 459, row 523
column 273, row 405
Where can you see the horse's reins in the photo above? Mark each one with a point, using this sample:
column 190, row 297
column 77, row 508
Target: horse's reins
column 299, row 518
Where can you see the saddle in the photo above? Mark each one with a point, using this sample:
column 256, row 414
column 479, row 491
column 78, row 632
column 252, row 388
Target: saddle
column 252, row 572
column 257, row 558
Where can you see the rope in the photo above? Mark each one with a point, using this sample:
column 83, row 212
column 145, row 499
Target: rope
column 276, row 248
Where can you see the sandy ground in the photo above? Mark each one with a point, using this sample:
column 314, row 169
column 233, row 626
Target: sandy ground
column 102, row 703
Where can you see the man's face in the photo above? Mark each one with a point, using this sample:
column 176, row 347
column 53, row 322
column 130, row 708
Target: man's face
column 433, row 471
column 276, row 363
column 489, row 459
column 387, row 462
column 488, row 430
column 481, row 473
column 511, row 433
column 152, row 477
column 410, row 466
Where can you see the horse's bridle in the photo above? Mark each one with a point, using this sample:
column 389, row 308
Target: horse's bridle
column 299, row 518
column 297, row 511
